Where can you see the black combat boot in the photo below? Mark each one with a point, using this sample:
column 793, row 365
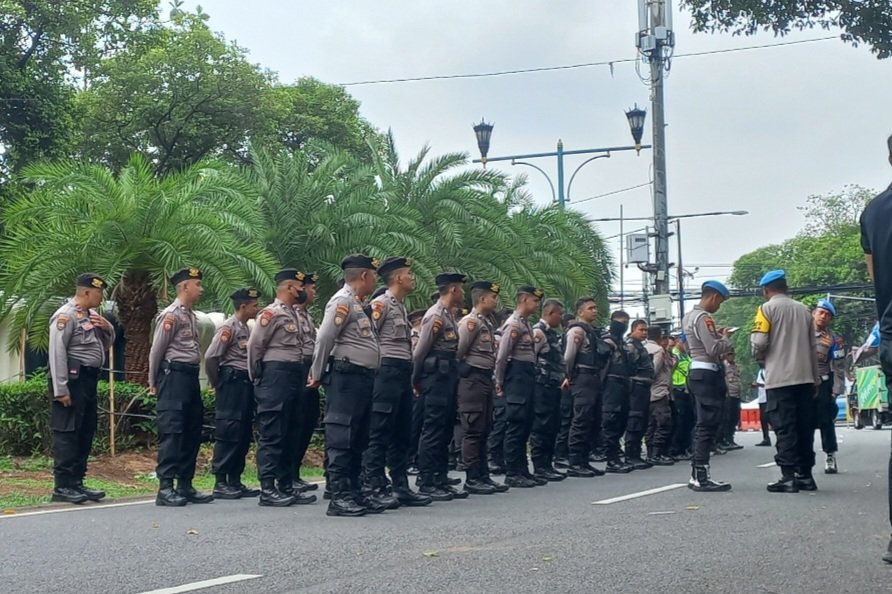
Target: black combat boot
column 496, row 467
column 342, row 501
column 167, row 496
column 519, row 481
column 701, row 482
column 378, row 489
column 474, row 485
column 657, row 458
column 483, row 477
column 186, row 490
column 548, row 473
column 805, row 480
column 271, row 497
column 617, row 466
column 406, row 495
column 236, row 481
column 561, row 462
column 66, row 494
column 446, row 484
column 285, row 487
column 633, row 458
column 302, row 485
column 327, row 493
column 787, row 482
column 92, row 494
column 223, row 490
column 430, row 488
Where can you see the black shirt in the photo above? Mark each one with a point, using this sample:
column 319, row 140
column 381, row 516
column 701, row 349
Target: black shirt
column 876, row 239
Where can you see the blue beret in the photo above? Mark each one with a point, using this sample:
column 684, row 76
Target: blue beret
column 771, row 276
column 717, row 286
column 825, row 304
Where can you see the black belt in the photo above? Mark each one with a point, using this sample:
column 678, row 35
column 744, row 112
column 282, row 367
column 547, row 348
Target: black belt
column 395, row 362
column 283, row 365
column 447, row 355
column 522, row 364
column 307, row 360
column 190, row 368
column 480, row 370
column 241, row 374
column 642, row 382
column 578, row 370
column 342, row 366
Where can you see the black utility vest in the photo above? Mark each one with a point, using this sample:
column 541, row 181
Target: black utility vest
column 550, row 364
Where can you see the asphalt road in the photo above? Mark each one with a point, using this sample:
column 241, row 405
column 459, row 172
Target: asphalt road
column 545, row 539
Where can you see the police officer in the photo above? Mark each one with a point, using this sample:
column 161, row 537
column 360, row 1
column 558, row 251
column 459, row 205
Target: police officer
column 496, row 441
column 615, row 403
column 308, row 406
column 346, row 360
column 682, row 402
column 477, row 358
column 584, row 362
column 79, row 337
column 561, row 449
column 415, row 318
column 275, row 365
column 173, row 377
column 551, row 381
column 831, row 366
column 515, row 379
column 659, row 428
column 784, row 339
column 226, row 363
column 434, row 376
column 392, row 400
column 705, row 380
column 639, row 395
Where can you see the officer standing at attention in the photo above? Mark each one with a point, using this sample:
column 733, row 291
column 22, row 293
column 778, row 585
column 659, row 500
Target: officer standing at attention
column 561, row 449
column 415, row 318
column 615, row 407
column 391, row 425
column 639, row 395
column 79, row 338
column 682, row 402
column 308, row 405
column 705, row 380
column 584, row 359
column 346, row 359
column 275, row 366
column 435, row 379
column 551, row 380
column 226, row 363
column 659, row 428
column 784, row 339
column 831, row 366
column 515, row 380
column 173, row 378
column 476, row 360
column 496, row 442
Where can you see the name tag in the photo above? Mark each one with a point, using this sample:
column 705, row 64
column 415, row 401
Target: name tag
column 450, row 335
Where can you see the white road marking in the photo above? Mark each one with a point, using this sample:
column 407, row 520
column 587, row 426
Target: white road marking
column 228, row 579
column 639, row 494
column 60, row 510
column 768, row 465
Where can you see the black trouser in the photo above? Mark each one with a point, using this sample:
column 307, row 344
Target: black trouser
column 562, row 447
column 391, row 423
column 233, row 422
column 708, row 390
column 496, row 440
column 417, row 424
column 730, row 419
column 659, row 427
column 615, row 411
column 764, row 421
column 792, row 413
column 278, row 393
column 475, row 404
column 308, row 419
column 585, row 389
column 825, row 415
column 180, row 413
column 438, row 385
column 73, row 428
column 639, row 416
column 348, row 398
column 520, row 381
column 886, row 363
column 546, row 422
column 683, row 403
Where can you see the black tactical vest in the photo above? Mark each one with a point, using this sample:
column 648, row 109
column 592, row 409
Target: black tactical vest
column 600, row 351
column 550, row 364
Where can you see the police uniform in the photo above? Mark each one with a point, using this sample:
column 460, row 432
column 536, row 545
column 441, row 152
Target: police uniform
column 390, row 428
column 477, row 357
column 417, row 409
column 173, row 372
column 346, row 359
column 831, row 366
column 682, row 405
column 584, row 360
column 275, row 365
column 706, row 384
column 76, row 352
column 515, row 377
column 434, row 374
column 495, row 443
column 639, row 402
column 550, row 374
column 308, row 406
column 659, row 428
column 226, row 363
column 615, row 399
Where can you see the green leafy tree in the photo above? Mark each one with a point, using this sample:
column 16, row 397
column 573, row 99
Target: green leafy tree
column 134, row 229
column 862, row 21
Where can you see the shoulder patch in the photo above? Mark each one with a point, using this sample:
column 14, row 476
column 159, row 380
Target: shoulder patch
column 437, row 324
column 168, row 322
column 377, row 309
column 472, row 325
column 61, row 322
column 710, row 324
column 265, row 316
column 225, row 335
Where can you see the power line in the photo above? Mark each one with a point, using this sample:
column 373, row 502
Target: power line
column 613, row 193
column 610, row 63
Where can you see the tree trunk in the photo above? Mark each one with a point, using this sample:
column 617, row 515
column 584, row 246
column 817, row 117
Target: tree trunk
column 137, row 307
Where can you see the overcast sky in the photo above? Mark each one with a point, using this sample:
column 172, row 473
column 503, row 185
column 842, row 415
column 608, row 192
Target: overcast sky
column 758, row 130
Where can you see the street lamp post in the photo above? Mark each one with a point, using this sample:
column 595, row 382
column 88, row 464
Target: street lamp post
column 483, row 132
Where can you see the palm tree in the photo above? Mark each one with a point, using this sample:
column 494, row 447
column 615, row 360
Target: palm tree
column 133, row 229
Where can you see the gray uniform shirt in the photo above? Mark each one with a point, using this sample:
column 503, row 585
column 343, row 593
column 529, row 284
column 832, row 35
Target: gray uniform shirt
column 276, row 336
column 73, row 336
column 392, row 325
column 516, row 344
column 704, row 343
column 664, row 365
column 476, row 346
column 784, row 338
column 229, row 347
column 176, row 338
column 345, row 334
column 437, row 333
column 307, row 331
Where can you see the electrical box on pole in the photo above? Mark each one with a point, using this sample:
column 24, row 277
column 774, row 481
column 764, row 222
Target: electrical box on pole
column 660, row 309
column 637, row 249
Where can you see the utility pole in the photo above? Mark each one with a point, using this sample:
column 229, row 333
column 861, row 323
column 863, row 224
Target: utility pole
column 655, row 43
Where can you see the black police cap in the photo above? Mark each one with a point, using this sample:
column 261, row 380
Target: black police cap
column 287, row 274
column 310, row 278
column 185, row 274
column 245, row 294
column 360, row 261
column 447, row 278
column 487, row 286
column 530, row 290
column 416, row 315
column 91, row 280
column 393, row 263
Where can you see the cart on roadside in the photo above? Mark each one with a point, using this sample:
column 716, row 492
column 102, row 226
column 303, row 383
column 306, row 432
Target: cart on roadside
column 868, row 397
